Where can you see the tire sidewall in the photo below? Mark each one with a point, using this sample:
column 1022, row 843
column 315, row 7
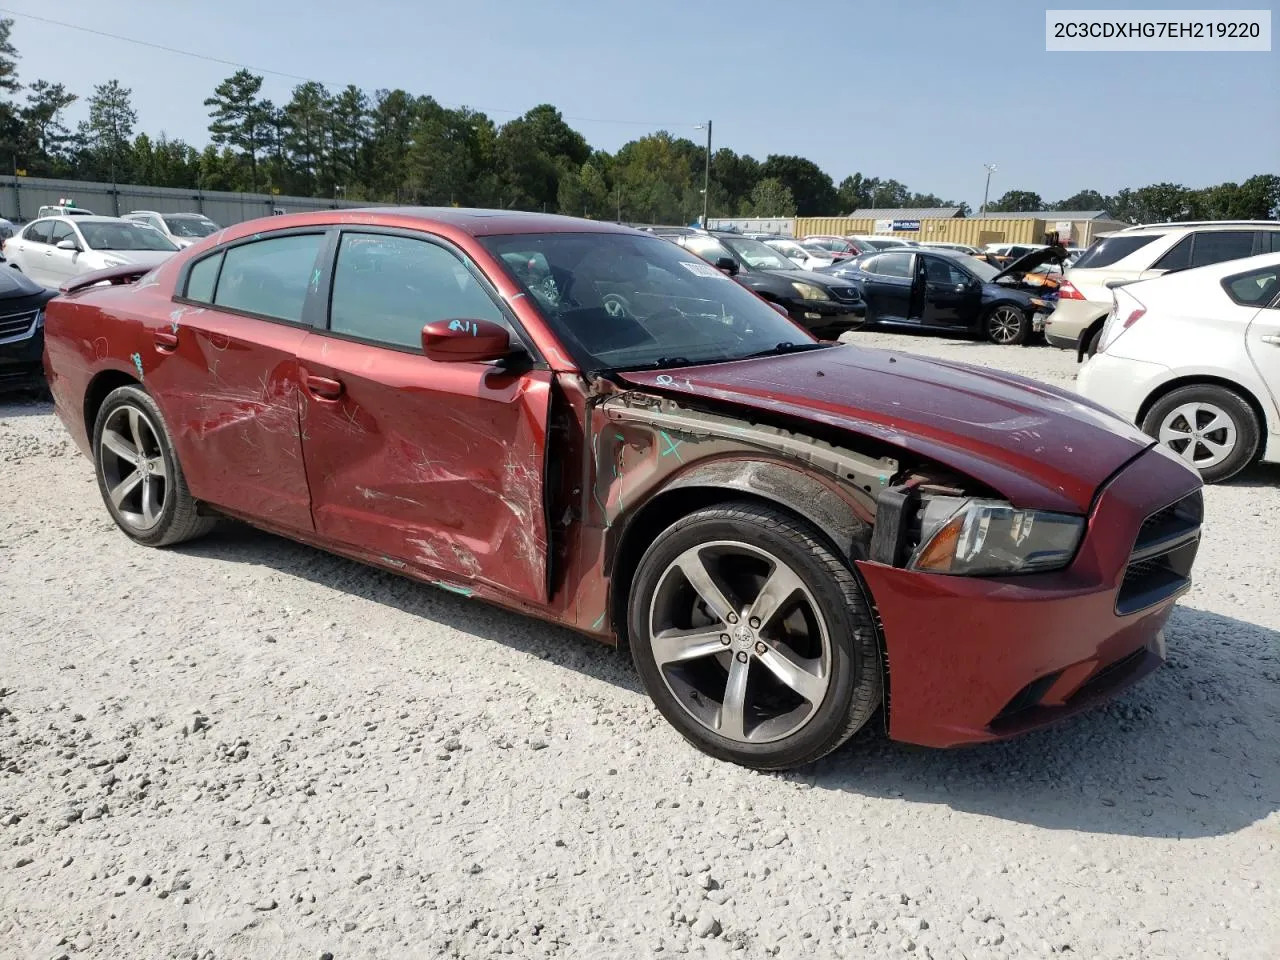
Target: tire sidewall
column 833, row 600
column 1248, row 430
column 139, row 398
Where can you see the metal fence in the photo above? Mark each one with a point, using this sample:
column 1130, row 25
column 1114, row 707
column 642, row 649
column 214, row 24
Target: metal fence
column 22, row 197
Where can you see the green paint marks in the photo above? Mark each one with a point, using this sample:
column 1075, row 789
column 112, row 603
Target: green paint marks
column 671, row 445
column 599, row 621
column 460, row 591
column 137, row 363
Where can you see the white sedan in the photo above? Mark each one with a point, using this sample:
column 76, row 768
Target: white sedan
column 802, row 257
column 1194, row 359
column 53, row 250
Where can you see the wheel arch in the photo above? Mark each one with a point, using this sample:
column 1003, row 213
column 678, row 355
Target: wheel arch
column 1208, row 379
column 98, row 390
column 785, row 488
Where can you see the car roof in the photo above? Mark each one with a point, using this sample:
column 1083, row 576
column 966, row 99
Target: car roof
column 1191, row 225
column 94, row 218
column 477, row 222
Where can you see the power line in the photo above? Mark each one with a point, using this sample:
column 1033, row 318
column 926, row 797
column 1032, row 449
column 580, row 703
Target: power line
column 294, row 76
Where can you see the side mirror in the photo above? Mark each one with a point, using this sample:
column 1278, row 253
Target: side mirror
column 780, row 308
column 727, row 265
column 67, row 245
column 465, row 341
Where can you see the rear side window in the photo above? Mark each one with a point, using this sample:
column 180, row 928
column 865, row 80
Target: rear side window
column 1215, row 246
column 1257, row 288
column 202, row 279
column 1111, row 250
column 269, row 277
column 38, row 232
column 386, row 289
column 1270, row 241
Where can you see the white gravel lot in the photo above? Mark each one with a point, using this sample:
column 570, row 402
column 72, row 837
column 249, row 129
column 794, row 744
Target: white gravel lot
column 245, row 748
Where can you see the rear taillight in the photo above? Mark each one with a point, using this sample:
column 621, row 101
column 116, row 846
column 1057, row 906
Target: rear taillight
column 1133, row 317
column 1068, row 292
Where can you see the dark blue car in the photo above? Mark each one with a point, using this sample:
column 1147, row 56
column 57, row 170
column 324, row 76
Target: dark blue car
column 931, row 289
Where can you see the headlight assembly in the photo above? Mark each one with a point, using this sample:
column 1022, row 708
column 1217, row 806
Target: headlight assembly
column 968, row 537
column 808, row 291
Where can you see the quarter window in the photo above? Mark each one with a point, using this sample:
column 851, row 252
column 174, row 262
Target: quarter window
column 1110, row 250
column 1257, row 288
column 387, row 288
column 270, row 277
column 1179, row 258
column 202, row 279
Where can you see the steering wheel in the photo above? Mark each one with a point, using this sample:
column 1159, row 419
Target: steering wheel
column 616, row 305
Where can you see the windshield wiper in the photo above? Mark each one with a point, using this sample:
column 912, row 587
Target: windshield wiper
column 786, row 347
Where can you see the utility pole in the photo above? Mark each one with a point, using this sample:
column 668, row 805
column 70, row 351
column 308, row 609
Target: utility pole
column 706, row 177
column 991, row 168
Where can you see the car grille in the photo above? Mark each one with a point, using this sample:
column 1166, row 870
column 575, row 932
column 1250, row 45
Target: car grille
column 17, row 326
column 844, row 294
column 1160, row 564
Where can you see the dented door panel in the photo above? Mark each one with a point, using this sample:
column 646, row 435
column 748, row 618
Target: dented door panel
column 437, row 467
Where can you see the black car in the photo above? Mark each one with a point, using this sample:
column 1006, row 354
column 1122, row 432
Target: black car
column 944, row 290
column 22, row 303
column 821, row 303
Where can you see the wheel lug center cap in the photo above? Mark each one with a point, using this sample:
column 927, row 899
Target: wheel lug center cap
column 743, row 637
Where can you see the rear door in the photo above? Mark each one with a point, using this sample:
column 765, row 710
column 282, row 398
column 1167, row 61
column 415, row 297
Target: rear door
column 1260, row 287
column 887, row 288
column 437, row 467
column 30, row 250
column 224, row 366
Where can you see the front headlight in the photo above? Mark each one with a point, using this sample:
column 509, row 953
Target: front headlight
column 974, row 538
column 808, row 291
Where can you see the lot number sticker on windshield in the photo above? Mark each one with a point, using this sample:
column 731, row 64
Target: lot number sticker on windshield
column 703, row 270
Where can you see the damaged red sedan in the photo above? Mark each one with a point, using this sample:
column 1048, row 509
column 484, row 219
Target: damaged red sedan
column 591, row 425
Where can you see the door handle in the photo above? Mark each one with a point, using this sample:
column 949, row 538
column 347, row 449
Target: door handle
column 324, row 387
column 165, row 340
column 1274, row 341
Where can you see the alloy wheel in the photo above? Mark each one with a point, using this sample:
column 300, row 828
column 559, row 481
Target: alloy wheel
column 133, row 467
column 740, row 641
column 1202, row 434
column 1004, row 324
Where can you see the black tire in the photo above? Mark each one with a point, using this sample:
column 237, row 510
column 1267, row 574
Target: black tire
column 853, row 674
column 178, row 518
column 1171, row 414
column 1091, row 345
column 995, row 325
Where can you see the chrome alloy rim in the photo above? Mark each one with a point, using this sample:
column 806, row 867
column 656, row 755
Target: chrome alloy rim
column 1004, row 324
column 740, row 641
column 1200, row 433
column 133, row 467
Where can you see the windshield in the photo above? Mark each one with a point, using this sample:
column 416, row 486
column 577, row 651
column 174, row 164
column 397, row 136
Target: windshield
column 981, row 269
column 759, row 256
column 618, row 301
column 789, row 249
column 124, row 236
column 190, row 226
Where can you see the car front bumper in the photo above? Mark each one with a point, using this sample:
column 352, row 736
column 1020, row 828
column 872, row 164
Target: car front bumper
column 828, row 314
column 974, row 659
column 21, row 362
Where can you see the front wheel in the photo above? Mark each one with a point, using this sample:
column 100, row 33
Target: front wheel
column 1212, row 428
column 1007, row 325
column 753, row 638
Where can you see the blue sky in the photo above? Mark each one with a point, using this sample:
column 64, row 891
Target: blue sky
column 925, row 92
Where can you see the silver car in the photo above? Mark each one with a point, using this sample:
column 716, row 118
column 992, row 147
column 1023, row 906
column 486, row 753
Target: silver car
column 183, row 229
column 53, row 250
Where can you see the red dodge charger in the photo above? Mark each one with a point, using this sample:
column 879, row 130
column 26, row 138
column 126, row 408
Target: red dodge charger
column 588, row 424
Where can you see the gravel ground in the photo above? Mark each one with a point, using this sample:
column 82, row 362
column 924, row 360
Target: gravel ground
column 245, row 748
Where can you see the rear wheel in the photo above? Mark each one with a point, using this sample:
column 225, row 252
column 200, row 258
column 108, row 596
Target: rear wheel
column 752, row 638
column 139, row 475
column 1212, row 428
column 1006, row 324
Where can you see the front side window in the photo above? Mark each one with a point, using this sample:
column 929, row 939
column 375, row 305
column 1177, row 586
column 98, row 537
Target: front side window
column 1215, row 246
column 893, row 265
column 938, row 270
column 1257, row 288
column 124, row 235
column 386, row 289
column 38, row 232
column 1110, row 250
column 61, row 231
column 270, row 277
column 619, row 301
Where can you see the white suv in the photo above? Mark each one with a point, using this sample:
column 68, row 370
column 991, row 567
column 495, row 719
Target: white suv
column 1140, row 253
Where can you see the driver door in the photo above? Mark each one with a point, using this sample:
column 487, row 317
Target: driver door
column 62, row 265
column 436, row 467
column 951, row 298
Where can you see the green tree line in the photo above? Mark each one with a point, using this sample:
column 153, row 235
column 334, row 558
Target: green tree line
column 394, row 146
